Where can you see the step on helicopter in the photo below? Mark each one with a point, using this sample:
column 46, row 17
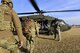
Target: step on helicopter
column 45, row 20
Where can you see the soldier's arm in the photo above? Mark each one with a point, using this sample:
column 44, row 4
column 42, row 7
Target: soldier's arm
column 17, row 24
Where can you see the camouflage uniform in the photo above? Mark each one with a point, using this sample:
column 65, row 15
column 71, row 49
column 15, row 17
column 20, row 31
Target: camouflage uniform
column 37, row 28
column 7, row 40
column 55, row 28
column 30, row 33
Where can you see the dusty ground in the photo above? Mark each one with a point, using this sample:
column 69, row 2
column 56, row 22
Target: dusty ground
column 70, row 43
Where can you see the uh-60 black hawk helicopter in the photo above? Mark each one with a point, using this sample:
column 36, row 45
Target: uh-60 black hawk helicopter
column 45, row 20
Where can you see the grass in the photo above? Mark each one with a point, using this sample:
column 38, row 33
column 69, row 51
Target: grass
column 70, row 43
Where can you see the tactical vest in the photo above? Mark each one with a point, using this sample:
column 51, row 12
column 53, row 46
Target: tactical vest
column 4, row 25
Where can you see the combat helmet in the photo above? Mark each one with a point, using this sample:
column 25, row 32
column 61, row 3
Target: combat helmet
column 8, row 2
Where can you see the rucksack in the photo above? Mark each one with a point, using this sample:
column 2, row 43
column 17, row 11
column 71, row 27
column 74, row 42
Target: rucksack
column 4, row 25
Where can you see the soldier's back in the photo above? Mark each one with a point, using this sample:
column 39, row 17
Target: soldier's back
column 5, row 21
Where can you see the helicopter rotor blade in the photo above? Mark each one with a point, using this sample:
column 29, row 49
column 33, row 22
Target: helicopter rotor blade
column 34, row 4
column 26, row 13
column 77, row 10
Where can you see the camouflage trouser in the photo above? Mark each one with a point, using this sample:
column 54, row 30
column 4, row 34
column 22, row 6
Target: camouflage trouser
column 24, row 48
column 31, row 41
column 31, row 45
column 57, row 33
column 8, row 45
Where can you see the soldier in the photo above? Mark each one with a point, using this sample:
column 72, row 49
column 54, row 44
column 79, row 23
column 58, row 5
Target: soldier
column 30, row 33
column 55, row 28
column 45, row 24
column 8, row 16
column 37, row 28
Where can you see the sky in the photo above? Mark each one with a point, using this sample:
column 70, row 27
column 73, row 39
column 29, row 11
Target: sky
column 47, row 5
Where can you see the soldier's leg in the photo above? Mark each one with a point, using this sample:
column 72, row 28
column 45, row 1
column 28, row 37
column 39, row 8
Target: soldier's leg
column 55, row 34
column 9, row 45
column 28, row 47
column 32, row 41
column 32, row 45
column 59, row 35
column 24, row 48
column 12, row 45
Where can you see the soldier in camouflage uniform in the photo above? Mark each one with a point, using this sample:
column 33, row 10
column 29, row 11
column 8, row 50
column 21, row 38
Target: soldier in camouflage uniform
column 7, row 17
column 30, row 33
column 37, row 28
column 55, row 28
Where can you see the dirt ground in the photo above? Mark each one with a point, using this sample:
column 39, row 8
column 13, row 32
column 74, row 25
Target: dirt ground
column 70, row 43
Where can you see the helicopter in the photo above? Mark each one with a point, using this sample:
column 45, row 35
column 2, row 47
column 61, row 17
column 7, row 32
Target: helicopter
column 40, row 18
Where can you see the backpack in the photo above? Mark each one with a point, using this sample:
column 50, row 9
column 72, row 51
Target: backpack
column 4, row 25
